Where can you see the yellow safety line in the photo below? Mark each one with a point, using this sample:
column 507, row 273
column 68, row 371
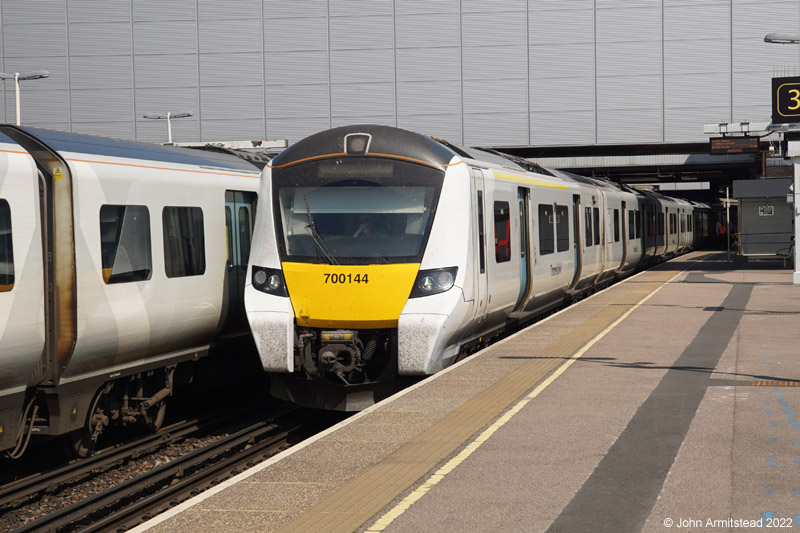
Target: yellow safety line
column 383, row 522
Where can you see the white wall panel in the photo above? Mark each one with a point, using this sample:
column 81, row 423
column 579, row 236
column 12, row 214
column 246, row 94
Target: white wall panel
column 50, row 41
column 231, row 69
column 483, row 71
column 166, row 70
column 629, row 81
column 107, row 11
column 292, row 101
column 160, row 11
column 281, row 35
column 362, row 99
column 165, row 37
column 280, row 9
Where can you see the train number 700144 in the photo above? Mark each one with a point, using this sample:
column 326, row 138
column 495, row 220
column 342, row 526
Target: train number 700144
column 346, row 278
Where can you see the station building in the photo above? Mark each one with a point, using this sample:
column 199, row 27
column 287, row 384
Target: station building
column 583, row 78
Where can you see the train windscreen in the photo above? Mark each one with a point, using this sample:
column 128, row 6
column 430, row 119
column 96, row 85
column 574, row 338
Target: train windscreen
column 355, row 210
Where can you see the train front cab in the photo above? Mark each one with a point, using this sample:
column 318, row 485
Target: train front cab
column 357, row 234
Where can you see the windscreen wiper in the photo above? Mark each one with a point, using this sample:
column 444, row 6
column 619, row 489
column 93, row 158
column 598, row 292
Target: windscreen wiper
column 322, row 246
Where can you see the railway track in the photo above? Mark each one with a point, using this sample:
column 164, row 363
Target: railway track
column 134, row 500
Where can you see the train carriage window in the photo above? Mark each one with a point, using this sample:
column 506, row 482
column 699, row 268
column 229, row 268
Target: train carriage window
column 546, row 241
column 481, row 236
column 6, row 248
column 125, row 243
column 631, row 225
column 245, row 233
column 588, row 225
column 562, row 227
column 502, row 232
column 638, row 224
column 184, row 242
column 596, row 224
column 616, row 225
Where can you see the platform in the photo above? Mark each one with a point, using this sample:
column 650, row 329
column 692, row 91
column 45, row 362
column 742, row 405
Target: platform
column 668, row 402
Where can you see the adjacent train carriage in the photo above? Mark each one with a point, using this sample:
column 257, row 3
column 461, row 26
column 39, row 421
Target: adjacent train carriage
column 118, row 261
column 381, row 253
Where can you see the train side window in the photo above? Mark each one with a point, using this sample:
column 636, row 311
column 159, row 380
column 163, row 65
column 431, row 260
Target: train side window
column 638, row 224
column 562, row 228
column 546, row 241
column 588, row 224
column 125, row 243
column 245, row 233
column 481, row 236
column 616, row 225
column 631, row 225
column 502, row 232
column 596, row 221
column 6, row 248
column 184, row 242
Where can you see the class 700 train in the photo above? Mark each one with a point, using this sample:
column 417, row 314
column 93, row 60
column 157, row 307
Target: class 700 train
column 379, row 253
column 121, row 265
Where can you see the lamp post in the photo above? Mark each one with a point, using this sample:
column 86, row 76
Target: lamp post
column 169, row 116
column 793, row 151
column 17, row 77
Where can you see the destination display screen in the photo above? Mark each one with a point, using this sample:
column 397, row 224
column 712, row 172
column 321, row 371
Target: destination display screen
column 734, row 145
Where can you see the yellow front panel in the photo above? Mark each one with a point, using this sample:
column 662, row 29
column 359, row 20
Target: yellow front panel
column 334, row 296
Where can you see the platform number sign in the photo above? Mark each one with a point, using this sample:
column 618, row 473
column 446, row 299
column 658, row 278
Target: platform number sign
column 785, row 100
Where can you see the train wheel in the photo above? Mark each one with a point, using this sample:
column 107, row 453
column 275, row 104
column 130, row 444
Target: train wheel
column 154, row 417
column 85, row 439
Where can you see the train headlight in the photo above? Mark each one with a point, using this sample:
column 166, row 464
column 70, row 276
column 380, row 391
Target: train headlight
column 269, row 280
column 433, row 281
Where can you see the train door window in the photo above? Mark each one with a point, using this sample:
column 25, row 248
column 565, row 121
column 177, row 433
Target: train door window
column 562, row 228
column 616, row 225
column 245, row 232
column 631, row 224
column 546, row 241
column 502, row 232
column 229, row 233
column 6, row 248
column 638, row 224
column 689, row 220
column 596, row 224
column 125, row 243
column 184, row 242
column 481, row 237
column 588, row 225
column 661, row 223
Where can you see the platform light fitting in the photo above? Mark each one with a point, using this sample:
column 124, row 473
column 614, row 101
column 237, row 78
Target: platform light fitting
column 17, row 77
column 169, row 116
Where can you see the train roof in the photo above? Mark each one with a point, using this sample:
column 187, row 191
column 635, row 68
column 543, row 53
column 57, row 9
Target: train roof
column 89, row 144
column 382, row 140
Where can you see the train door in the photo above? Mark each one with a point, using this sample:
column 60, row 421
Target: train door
column 525, row 258
column 624, row 233
column 576, row 240
column 481, row 286
column 239, row 215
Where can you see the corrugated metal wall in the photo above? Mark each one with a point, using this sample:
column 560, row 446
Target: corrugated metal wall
column 493, row 72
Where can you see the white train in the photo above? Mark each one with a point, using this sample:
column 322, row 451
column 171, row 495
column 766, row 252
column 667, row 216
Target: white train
column 118, row 262
column 379, row 253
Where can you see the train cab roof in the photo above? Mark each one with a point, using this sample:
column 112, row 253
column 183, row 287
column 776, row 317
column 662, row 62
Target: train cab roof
column 60, row 141
column 366, row 140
